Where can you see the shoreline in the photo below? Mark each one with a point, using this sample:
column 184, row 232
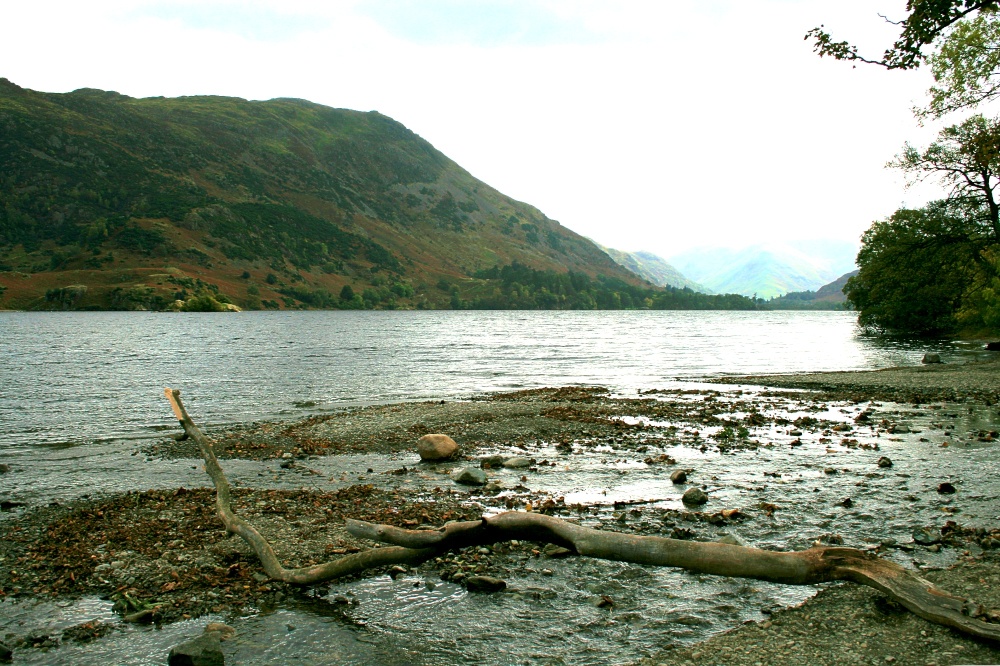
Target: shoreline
column 822, row 630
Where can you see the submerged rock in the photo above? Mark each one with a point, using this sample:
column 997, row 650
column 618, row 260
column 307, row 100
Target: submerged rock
column 4, row 468
column 206, row 650
column 436, row 447
column 517, row 462
column 946, row 488
column 679, row 476
column 931, row 358
column 6, row 654
column 486, row 584
column 471, row 476
column 884, row 462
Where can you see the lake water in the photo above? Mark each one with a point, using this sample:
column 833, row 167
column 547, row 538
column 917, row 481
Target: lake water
column 73, row 378
column 80, row 391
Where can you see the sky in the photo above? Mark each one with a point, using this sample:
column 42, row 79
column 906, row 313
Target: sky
column 655, row 125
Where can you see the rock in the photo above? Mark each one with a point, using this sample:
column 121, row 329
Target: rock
column 6, row 654
column 694, row 496
column 993, row 346
column 926, row 536
column 931, row 358
column 946, row 488
column 847, row 502
column 731, row 539
column 555, row 552
column 679, row 476
column 485, row 584
column 4, row 469
column 206, row 650
column 436, row 447
column 884, row 462
column 795, row 433
column 491, row 461
column 471, row 476
column 517, row 463
column 224, row 630
column 899, row 429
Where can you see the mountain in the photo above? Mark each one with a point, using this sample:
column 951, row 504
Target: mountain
column 828, row 297
column 114, row 202
column 653, row 268
column 767, row 270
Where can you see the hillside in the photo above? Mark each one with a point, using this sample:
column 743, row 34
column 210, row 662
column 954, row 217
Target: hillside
column 767, row 270
column 828, row 297
column 116, row 202
column 654, row 269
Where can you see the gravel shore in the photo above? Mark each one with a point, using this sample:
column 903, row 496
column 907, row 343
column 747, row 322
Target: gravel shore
column 162, row 556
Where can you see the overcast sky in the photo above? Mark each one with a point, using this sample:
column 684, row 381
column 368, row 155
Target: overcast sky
column 643, row 124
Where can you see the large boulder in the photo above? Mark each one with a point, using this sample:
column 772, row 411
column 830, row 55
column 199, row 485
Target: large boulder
column 436, row 447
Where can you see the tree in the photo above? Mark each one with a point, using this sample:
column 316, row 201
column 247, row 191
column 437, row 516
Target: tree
column 927, row 20
column 915, row 268
column 965, row 157
column 966, row 66
column 347, row 293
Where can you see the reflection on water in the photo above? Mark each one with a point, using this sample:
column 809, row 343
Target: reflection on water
column 77, row 377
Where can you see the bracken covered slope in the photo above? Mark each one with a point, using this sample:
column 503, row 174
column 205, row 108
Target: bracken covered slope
column 110, row 201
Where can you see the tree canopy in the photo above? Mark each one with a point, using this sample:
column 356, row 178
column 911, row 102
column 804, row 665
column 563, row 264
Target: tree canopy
column 926, row 21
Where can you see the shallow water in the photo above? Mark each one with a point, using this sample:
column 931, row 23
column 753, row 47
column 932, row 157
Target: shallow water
column 83, row 390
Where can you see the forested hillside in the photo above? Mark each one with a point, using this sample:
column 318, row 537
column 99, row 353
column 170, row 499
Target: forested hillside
column 115, row 202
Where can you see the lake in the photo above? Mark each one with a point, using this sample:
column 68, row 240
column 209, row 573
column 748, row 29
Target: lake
column 79, row 377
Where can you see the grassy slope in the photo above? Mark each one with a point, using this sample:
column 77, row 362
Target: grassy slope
column 150, row 196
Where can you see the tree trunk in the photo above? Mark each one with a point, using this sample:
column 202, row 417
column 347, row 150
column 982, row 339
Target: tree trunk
column 807, row 567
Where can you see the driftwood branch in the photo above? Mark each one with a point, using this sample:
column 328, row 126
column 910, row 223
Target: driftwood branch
column 807, row 567
column 344, row 566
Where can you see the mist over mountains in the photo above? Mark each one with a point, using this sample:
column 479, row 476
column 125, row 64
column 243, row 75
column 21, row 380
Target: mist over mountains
column 767, row 270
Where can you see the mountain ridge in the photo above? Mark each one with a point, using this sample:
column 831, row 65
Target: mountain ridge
column 279, row 197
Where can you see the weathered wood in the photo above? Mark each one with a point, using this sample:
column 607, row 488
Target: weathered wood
column 346, row 565
column 807, row 567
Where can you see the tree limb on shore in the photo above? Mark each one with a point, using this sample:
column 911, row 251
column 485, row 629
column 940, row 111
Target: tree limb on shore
column 808, row 567
column 344, row 566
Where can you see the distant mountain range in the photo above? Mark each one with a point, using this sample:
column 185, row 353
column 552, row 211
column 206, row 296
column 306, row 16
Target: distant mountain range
column 655, row 269
column 767, row 270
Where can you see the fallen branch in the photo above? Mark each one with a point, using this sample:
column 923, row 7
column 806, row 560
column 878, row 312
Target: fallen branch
column 344, row 566
column 807, row 567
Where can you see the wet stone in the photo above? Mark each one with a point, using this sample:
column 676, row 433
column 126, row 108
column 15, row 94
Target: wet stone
column 6, row 654
column 4, row 468
column 679, row 476
column 884, row 462
column 946, row 488
column 694, row 496
column 517, row 463
column 485, row 584
column 206, row 650
column 471, row 476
